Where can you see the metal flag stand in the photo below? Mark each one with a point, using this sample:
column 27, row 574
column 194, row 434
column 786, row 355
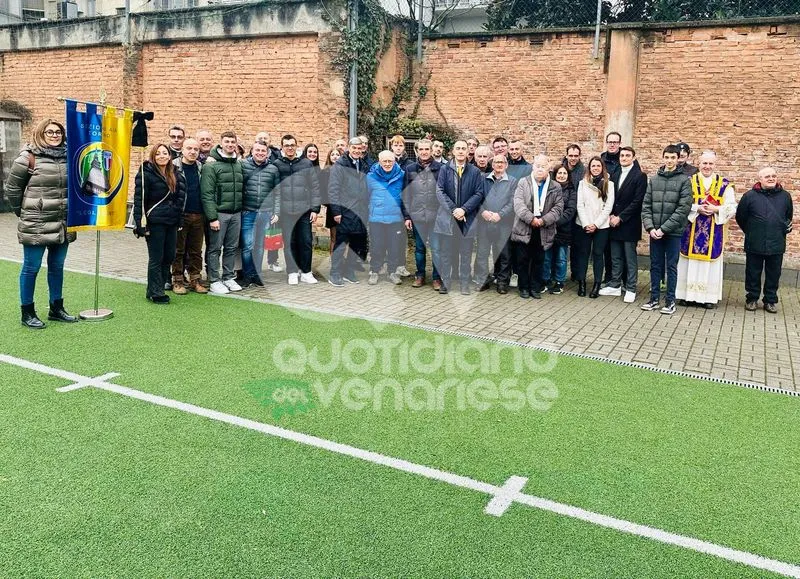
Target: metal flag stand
column 96, row 314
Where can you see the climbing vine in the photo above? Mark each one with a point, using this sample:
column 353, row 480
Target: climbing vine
column 365, row 46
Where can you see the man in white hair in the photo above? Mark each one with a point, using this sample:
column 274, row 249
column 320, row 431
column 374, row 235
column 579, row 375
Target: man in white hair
column 703, row 242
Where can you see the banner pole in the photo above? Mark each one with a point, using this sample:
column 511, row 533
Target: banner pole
column 97, row 314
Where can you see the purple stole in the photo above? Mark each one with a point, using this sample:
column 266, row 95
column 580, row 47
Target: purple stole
column 705, row 238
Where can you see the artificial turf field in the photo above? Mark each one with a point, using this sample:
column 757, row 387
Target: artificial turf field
column 94, row 484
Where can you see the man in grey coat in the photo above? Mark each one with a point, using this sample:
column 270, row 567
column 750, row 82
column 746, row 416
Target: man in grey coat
column 665, row 213
column 538, row 205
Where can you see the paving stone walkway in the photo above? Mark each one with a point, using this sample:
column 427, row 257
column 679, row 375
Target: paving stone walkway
column 727, row 342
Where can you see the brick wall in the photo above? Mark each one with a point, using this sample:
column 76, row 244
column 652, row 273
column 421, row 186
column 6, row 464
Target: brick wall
column 735, row 90
column 732, row 89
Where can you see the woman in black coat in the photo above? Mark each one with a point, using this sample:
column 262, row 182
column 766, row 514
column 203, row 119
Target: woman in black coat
column 324, row 179
column 158, row 202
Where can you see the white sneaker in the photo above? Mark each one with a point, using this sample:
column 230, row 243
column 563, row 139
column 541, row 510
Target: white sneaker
column 402, row 271
column 629, row 298
column 232, row 285
column 610, row 291
column 373, row 278
column 514, row 280
column 395, row 278
column 308, row 278
column 294, row 278
column 219, row 288
column 276, row 267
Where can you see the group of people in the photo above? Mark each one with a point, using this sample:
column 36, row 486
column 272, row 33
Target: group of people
column 487, row 216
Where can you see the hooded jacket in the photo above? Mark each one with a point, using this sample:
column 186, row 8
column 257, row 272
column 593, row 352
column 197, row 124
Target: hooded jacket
column 221, row 185
column 39, row 199
column 386, row 194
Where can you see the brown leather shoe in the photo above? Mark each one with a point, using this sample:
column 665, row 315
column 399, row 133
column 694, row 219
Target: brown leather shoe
column 437, row 285
column 199, row 288
column 179, row 289
column 419, row 281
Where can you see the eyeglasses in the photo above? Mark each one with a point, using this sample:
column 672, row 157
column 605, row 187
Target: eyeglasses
column 613, row 142
column 53, row 133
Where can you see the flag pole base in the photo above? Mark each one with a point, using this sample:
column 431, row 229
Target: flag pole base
column 96, row 315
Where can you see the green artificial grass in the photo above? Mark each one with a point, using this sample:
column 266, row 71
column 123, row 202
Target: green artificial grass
column 93, row 484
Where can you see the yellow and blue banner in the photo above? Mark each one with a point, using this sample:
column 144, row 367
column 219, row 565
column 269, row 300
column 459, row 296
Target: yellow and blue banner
column 98, row 153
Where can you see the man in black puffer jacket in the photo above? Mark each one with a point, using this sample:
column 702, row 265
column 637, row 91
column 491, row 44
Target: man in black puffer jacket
column 298, row 188
column 765, row 215
column 419, row 195
column 665, row 213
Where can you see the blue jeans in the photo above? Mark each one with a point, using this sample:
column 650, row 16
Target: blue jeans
column 423, row 234
column 31, row 263
column 254, row 227
column 666, row 248
column 555, row 263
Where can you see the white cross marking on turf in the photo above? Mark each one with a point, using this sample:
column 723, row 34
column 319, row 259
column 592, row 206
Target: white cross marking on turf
column 498, row 493
column 89, row 382
column 502, row 500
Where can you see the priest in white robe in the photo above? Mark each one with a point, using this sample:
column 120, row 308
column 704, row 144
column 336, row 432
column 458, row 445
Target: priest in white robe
column 703, row 242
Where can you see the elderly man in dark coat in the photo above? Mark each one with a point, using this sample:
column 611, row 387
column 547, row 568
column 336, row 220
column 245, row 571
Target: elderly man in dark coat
column 765, row 215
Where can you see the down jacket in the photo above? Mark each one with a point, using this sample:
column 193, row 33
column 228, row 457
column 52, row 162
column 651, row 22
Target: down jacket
column 162, row 206
column 386, row 194
column 667, row 202
column 298, row 186
column 39, row 199
column 259, row 185
column 420, row 192
column 221, row 185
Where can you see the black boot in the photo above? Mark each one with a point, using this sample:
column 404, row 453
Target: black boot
column 595, row 290
column 59, row 314
column 30, row 319
column 582, row 289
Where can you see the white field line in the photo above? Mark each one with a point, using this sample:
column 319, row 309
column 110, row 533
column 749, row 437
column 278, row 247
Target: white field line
column 501, row 497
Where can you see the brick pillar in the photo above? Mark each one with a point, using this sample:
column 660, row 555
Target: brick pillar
column 623, row 76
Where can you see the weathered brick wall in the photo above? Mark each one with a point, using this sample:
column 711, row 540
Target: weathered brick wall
column 735, row 90
column 546, row 90
column 37, row 79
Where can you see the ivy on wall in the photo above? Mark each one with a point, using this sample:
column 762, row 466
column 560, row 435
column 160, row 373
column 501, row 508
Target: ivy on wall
column 365, row 46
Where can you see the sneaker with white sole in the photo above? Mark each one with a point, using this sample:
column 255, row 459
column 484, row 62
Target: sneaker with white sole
column 514, row 280
column 307, row 278
column 668, row 309
column 219, row 288
column 350, row 278
column 610, row 291
column 629, row 298
column 650, row 306
column 402, row 271
column 232, row 285
column 373, row 278
column 395, row 278
column 294, row 278
column 275, row 267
